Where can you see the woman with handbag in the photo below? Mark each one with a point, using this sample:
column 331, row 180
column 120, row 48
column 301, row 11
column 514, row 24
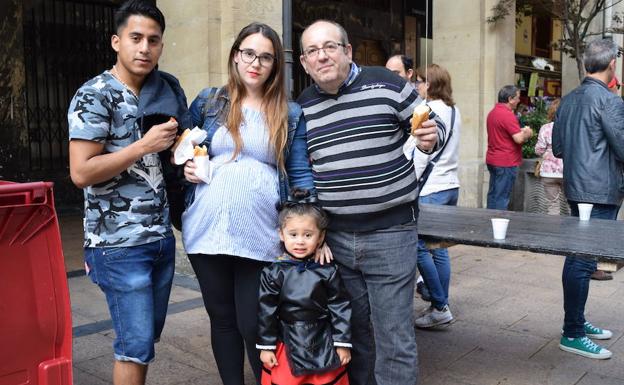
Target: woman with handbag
column 550, row 168
column 441, row 188
column 256, row 142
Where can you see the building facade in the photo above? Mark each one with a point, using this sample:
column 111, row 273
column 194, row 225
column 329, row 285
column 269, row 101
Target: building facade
column 51, row 46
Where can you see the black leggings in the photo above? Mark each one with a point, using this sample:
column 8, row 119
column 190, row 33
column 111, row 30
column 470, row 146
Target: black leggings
column 229, row 287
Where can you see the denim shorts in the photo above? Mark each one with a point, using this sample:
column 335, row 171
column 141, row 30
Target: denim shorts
column 136, row 281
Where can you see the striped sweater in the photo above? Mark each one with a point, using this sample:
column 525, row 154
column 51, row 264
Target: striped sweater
column 355, row 141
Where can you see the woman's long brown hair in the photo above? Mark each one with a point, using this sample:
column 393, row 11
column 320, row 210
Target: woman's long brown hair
column 274, row 100
column 439, row 81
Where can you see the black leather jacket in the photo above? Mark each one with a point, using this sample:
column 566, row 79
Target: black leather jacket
column 588, row 134
column 303, row 304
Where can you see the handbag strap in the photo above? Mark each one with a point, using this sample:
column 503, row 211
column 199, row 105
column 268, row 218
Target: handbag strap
column 432, row 162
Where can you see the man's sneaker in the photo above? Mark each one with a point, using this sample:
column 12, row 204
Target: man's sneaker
column 596, row 333
column 434, row 318
column 585, row 347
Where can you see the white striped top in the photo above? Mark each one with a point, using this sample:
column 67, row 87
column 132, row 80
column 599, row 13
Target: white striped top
column 236, row 214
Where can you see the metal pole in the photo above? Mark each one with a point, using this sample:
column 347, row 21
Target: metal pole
column 287, row 41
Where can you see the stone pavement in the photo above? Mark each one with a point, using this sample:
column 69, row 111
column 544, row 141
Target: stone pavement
column 507, row 305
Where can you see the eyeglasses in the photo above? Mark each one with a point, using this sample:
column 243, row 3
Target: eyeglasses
column 329, row 48
column 249, row 55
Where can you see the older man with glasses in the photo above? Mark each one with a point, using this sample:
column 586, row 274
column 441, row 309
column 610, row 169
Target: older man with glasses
column 358, row 119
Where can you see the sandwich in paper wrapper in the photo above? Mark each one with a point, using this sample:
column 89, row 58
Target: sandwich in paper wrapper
column 421, row 114
column 203, row 165
column 183, row 149
column 186, row 148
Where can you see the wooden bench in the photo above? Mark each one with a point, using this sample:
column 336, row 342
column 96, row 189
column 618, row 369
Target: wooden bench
column 603, row 240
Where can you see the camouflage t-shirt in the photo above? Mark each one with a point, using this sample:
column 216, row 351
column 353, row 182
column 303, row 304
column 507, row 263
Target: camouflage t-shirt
column 131, row 208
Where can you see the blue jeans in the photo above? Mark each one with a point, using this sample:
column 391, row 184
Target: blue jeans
column 136, row 281
column 434, row 264
column 501, row 183
column 576, row 275
column 378, row 270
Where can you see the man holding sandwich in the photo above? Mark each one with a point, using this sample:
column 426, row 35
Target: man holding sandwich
column 358, row 119
column 119, row 121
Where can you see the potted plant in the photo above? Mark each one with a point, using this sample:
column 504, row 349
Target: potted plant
column 527, row 189
column 535, row 118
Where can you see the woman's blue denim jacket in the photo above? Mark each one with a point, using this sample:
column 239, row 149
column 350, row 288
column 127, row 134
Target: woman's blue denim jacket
column 209, row 110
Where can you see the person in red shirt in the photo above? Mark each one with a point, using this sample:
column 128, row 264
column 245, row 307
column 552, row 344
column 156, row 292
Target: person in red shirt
column 504, row 153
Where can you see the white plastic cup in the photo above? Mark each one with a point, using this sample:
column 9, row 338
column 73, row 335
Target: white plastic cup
column 499, row 227
column 585, row 210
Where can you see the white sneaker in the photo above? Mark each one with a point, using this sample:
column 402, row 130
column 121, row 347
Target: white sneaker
column 434, row 318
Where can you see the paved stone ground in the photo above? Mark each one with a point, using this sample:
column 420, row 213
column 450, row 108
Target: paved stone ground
column 508, row 307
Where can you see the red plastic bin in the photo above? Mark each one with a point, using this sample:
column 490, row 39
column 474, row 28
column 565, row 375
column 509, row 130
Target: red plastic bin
column 35, row 313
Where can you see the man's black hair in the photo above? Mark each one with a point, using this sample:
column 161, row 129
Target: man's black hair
column 144, row 8
column 408, row 62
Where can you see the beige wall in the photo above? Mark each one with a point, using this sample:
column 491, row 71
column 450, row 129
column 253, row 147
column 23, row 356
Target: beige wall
column 480, row 58
column 200, row 33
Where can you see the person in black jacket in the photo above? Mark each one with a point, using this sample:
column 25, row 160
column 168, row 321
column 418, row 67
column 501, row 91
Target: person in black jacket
column 304, row 331
column 588, row 134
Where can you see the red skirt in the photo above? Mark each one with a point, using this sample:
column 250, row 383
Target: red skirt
column 282, row 375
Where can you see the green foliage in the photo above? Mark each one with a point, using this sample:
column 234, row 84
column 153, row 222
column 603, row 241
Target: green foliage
column 535, row 118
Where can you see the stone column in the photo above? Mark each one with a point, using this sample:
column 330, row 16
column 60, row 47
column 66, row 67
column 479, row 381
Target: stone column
column 199, row 35
column 480, row 58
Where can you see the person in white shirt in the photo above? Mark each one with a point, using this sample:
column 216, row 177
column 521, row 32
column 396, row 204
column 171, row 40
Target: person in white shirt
column 442, row 188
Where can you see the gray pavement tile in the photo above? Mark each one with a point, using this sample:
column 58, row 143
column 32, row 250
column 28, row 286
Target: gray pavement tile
column 182, row 294
column 206, row 379
column 482, row 262
column 83, row 378
column 473, row 291
column 552, row 356
column 493, row 368
column 92, row 346
column 78, row 320
column 465, row 336
column 508, row 307
column 595, row 379
column 165, row 370
column 87, row 300
column 98, row 367
column 199, row 358
column 189, row 332
column 604, row 289
column 444, row 379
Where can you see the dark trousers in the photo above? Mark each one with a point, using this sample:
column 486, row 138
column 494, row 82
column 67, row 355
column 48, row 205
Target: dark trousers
column 576, row 275
column 229, row 287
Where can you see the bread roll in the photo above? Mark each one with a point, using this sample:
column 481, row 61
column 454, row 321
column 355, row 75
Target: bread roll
column 421, row 114
column 200, row 151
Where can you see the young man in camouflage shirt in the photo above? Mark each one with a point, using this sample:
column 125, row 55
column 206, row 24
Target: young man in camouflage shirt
column 115, row 139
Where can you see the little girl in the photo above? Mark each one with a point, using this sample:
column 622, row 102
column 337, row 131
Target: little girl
column 304, row 317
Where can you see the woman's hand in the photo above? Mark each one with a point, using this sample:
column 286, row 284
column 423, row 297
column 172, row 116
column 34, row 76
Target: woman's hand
column 269, row 360
column 189, row 172
column 344, row 354
column 323, row 254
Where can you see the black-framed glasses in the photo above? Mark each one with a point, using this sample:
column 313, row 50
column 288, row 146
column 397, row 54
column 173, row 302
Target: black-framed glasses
column 248, row 56
column 329, row 48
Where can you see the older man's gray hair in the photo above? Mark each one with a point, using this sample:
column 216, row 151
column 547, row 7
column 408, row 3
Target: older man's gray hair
column 598, row 54
column 507, row 92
